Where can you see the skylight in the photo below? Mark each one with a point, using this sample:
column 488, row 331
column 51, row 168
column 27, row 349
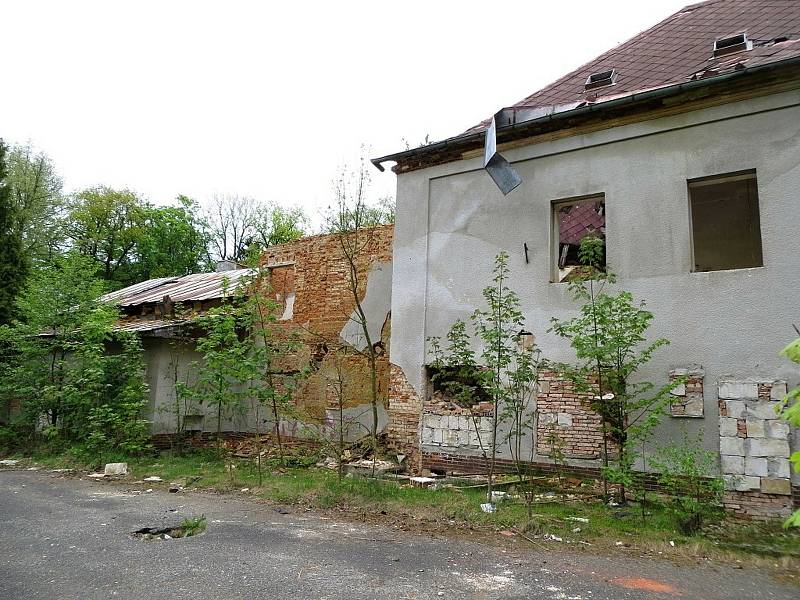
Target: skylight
column 596, row 80
column 730, row 44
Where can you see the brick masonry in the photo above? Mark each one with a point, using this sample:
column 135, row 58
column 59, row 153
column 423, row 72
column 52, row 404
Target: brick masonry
column 405, row 408
column 309, row 281
column 687, row 397
column 566, row 418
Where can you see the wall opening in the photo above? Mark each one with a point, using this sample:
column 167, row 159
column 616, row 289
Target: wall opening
column 574, row 220
column 726, row 228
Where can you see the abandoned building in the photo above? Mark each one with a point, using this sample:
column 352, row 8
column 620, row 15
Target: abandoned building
column 680, row 149
column 309, row 280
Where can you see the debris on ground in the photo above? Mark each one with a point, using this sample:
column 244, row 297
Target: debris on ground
column 366, row 466
column 174, row 488
column 8, row 462
column 488, row 507
column 552, row 538
column 153, row 478
column 578, row 519
column 96, row 475
column 114, row 469
column 422, row 482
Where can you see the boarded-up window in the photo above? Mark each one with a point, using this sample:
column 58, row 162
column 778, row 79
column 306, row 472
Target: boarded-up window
column 574, row 220
column 726, row 228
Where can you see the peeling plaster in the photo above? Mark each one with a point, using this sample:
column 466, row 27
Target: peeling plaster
column 376, row 304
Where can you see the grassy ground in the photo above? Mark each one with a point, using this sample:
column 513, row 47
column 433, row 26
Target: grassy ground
column 558, row 521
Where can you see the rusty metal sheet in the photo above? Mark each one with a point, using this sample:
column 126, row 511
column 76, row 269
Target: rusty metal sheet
column 189, row 288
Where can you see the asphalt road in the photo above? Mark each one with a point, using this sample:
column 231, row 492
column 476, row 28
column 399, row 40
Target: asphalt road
column 70, row 539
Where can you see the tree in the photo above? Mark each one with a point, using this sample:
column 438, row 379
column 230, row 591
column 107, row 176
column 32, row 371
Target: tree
column 69, row 370
column 106, row 225
column 13, row 266
column 608, row 337
column 173, row 241
column 36, row 190
column 241, row 227
column 352, row 221
column 507, row 373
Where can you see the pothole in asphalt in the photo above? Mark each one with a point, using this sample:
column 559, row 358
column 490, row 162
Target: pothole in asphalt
column 187, row 528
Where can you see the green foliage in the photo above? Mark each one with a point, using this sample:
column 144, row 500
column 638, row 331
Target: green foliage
column 273, row 224
column 106, row 224
column 609, row 339
column 790, row 411
column 193, row 525
column 506, row 375
column 74, row 380
column 685, row 470
column 13, row 264
column 173, row 241
column 37, row 194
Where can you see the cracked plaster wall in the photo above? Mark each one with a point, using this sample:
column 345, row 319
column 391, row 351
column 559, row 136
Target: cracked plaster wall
column 451, row 221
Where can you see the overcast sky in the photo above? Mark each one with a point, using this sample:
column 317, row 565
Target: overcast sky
column 268, row 99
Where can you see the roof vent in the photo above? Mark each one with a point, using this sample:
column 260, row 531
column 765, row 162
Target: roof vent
column 596, row 80
column 733, row 43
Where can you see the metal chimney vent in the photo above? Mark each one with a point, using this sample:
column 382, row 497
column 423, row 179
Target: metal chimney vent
column 731, row 44
column 596, row 80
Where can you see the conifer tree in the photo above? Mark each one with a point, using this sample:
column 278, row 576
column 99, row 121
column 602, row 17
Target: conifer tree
column 13, row 266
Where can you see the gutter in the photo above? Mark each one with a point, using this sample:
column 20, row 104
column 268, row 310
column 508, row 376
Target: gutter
column 670, row 90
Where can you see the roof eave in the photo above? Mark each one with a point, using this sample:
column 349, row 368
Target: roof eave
column 468, row 141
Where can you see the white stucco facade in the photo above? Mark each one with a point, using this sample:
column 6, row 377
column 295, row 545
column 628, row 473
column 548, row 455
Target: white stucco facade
column 451, row 221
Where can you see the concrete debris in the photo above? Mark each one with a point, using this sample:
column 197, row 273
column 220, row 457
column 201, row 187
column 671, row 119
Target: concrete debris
column 578, row 519
column 153, row 478
column 174, row 488
column 422, row 481
column 576, row 530
column 8, row 462
column 113, row 469
column 552, row 538
column 488, row 507
column 96, row 475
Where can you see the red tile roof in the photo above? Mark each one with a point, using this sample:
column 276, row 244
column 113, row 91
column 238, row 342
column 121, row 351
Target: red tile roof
column 579, row 220
column 680, row 49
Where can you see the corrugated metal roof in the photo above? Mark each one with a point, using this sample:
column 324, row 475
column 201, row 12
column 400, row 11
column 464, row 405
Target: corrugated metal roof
column 189, row 288
column 140, row 325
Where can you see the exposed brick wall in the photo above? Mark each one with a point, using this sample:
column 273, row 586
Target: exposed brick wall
column 758, row 506
column 745, row 505
column 565, row 413
column 315, row 271
column 405, row 410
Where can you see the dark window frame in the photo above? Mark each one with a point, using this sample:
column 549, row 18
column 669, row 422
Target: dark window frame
column 748, row 175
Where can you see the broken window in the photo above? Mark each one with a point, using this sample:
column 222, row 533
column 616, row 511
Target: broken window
column 574, row 220
column 726, row 229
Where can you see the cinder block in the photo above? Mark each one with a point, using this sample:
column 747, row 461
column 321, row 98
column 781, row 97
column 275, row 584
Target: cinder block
column 733, row 390
column 727, row 427
column 755, row 466
column 742, row 483
column 432, row 421
column 732, row 446
column 762, row 410
column 771, row 485
column 779, row 467
column 778, row 391
column 755, row 427
column 732, row 465
column 778, row 430
column 735, row 408
column 678, row 390
column 694, row 406
column 767, row 448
